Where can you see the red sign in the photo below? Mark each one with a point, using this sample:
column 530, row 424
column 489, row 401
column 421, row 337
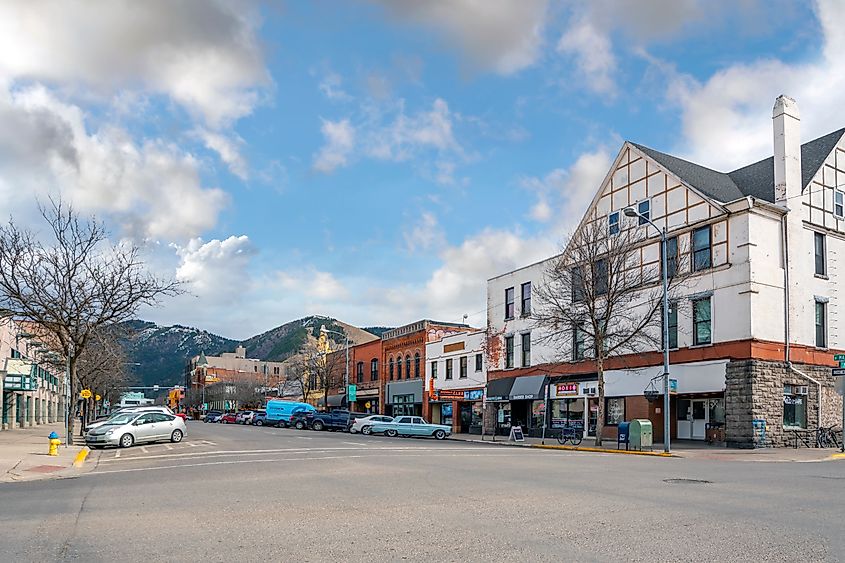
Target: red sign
column 567, row 389
column 450, row 395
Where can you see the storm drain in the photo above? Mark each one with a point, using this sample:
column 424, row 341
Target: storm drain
column 687, row 481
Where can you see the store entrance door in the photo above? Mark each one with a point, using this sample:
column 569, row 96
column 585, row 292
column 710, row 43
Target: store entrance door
column 692, row 419
column 466, row 417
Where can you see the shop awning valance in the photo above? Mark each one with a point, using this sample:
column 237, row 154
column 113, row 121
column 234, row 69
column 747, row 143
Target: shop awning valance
column 528, row 387
column 499, row 389
column 334, row 401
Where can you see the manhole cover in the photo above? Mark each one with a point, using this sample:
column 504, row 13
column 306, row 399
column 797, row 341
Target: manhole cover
column 687, row 481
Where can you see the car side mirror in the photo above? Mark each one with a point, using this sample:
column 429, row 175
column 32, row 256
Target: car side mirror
column 137, row 423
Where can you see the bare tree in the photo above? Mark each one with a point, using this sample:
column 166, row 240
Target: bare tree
column 102, row 367
column 316, row 369
column 599, row 299
column 75, row 284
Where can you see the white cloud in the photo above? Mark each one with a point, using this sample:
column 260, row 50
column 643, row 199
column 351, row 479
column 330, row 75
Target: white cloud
column 425, row 234
column 313, row 284
column 593, row 54
column 217, row 270
column 406, row 135
column 204, row 55
column 228, row 149
column 501, row 35
column 152, row 189
column 331, row 85
column 340, row 140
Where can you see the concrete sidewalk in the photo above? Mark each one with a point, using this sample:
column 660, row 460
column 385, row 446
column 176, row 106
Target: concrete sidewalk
column 23, row 454
column 685, row 449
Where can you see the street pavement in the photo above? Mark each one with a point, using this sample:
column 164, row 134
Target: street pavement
column 234, row 493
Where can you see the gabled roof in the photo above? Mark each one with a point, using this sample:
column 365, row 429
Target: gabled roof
column 756, row 180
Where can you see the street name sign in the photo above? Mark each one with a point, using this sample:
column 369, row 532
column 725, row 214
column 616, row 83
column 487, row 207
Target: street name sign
column 838, row 372
column 839, row 358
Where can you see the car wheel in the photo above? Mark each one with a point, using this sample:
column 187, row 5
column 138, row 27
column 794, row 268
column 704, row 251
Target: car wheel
column 127, row 440
column 259, row 423
column 176, row 437
column 317, row 426
column 391, row 433
column 367, row 430
column 299, row 425
column 440, row 434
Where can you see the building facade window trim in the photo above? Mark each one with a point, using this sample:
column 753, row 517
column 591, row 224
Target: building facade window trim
column 479, row 362
column 449, row 369
column 359, row 372
column 839, row 204
column 434, row 369
column 374, row 369
column 464, row 367
column 416, row 365
column 508, row 352
column 613, row 223
column 820, row 316
column 525, row 341
column 702, row 248
column 644, row 211
column 525, row 294
column 819, row 254
column 702, row 321
column 407, row 366
column 509, row 303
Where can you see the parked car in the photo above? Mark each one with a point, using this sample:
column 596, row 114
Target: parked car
column 411, row 426
column 243, row 417
column 229, row 418
column 279, row 411
column 131, row 428
column 300, row 420
column 212, row 416
column 334, row 420
column 131, row 410
column 364, row 424
column 258, row 419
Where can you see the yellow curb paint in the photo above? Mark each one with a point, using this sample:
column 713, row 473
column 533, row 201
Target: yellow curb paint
column 80, row 457
column 837, row 456
column 602, row 450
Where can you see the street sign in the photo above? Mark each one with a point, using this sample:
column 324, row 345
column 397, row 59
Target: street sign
column 352, row 393
column 85, row 393
column 205, row 406
column 838, row 372
column 839, row 358
column 97, row 397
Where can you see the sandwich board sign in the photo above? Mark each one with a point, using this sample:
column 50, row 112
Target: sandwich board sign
column 516, row 434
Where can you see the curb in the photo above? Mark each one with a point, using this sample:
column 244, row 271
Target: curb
column 837, row 456
column 603, row 450
column 80, row 457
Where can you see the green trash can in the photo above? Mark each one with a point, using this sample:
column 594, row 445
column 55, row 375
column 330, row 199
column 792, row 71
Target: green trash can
column 640, row 434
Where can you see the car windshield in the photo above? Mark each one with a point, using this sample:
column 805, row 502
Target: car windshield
column 123, row 418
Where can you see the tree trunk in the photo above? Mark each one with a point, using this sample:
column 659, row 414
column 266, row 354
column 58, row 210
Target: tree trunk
column 71, row 406
column 600, row 412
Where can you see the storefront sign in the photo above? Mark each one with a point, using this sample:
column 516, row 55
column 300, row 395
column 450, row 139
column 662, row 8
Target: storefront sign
column 456, row 347
column 450, row 394
column 474, row 395
column 566, row 389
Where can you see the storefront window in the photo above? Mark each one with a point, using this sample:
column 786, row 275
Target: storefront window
column 477, row 413
column 614, row 410
column 568, row 413
column 717, row 411
column 538, row 414
column 503, row 416
column 446, row 414
column 794, row 406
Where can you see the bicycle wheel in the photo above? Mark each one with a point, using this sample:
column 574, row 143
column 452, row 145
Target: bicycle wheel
column 561, row 440
column 576, row 439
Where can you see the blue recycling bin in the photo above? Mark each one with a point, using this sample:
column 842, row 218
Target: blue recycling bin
column 622, row 434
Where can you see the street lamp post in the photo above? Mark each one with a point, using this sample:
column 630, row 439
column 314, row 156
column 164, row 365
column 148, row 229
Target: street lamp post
column 631, row 212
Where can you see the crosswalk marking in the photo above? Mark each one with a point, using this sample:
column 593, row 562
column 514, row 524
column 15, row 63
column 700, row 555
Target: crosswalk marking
column 117, row 454
column 145, row 450
column 168, row 447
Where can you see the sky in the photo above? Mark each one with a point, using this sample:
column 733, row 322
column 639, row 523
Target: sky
column 378, row 160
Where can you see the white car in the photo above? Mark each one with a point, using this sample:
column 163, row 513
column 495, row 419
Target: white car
column 129, row 410
column 365, row 423
column 131, row 428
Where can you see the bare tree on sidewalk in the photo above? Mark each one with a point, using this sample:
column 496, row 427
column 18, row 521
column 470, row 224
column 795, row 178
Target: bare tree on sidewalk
column 599, row 299
column 74, row 281
column 314, row 369
column 102, row 366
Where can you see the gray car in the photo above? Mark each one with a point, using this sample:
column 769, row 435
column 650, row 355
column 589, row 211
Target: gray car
column 137, row 428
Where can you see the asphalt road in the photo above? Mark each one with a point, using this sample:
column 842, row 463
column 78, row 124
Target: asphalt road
column 232, row 493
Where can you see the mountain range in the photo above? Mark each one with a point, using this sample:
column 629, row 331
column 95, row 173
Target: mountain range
column 160, row 353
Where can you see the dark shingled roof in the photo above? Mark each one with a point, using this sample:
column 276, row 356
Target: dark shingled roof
column 756, row 180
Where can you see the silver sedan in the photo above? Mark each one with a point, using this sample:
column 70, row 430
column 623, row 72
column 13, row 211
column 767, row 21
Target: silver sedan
column 137, row 428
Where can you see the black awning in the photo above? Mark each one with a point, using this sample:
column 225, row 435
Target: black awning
column 499, row 389
column 334, row 401
column 530, row 387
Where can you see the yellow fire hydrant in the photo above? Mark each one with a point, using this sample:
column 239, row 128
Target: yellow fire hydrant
column 55, row 442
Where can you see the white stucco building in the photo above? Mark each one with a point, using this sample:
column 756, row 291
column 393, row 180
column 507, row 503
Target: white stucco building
column 753, row 332
column 455, row 375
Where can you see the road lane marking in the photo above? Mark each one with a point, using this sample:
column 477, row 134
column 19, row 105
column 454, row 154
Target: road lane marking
column 117, row 454
column 193, row 445
column 168, row 447
column 304, row 437
column 209, row 443
column 145, row 450
column 355, row 443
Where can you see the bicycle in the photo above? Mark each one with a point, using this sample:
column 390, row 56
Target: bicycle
column 826, row 438
column 570, row 434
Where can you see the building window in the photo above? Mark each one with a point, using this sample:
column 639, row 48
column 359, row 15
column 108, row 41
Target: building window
column 614, row 410
column 434, row 370
column 673, row 324
column 794, row 406
column 398, row 368
column 508, row 352
column 613, row 223
column 578, row 339
column 359, row 372
column 672, row 257
column 701, row 255
column 526, row 349
column 819, row 245
column 374, row 369
column 600, row 278
column 417, row 365
column 464, row 367
column 478, row 362
column 821, row 324
column 449, row 368
column 701, row 325
column 509, row 303
column 408, row 366
column 644, row 211
column 526, row 299
column 578, row 290
column 839, row 204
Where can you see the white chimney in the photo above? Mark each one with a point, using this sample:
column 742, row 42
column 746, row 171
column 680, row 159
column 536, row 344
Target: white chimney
column 787, row 136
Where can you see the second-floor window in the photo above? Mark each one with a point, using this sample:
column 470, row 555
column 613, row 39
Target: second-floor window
column 478, row 362
column 398, row 367
column 526, row 349
column 702, row 329
column 509, row 303
column 374, row 369
column 508, row 352
column 701, row 255
column 839, row 204
column 434, row 370
column 449, row 368
column 644, row 210
column 578, row 343
column 819, row 246
column 359, row 372
column 526, row 299
column 672, row 256
column 407, row 367
column 821, row 324
column 673, row 324
column 464, row 367
column 417, row 365
column 600, row 277
column 579, row 292
column 613, row 223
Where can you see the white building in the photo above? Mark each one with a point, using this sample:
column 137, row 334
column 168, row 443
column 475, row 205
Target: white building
column 455, row 375
column 753, row 334
column 134, row 399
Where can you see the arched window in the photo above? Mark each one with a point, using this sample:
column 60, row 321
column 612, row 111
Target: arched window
column 359, row 372
column 374, row 369
column 417, row 365
column 408, row 366
column 391, row 369
column 399, row 367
